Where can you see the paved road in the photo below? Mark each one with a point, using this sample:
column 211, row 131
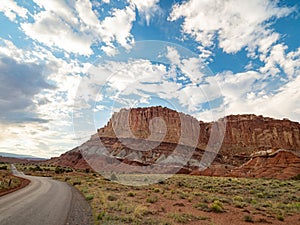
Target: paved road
column 44, row 202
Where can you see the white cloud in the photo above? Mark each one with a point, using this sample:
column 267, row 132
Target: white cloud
column 109, row 50
column 173, row 55
column 118, row 26
column 242, row 95
column 11, row 10
column 75, row 27
column 86, row 14
column 278, row 59
column 193, row 67
column 147, row 8
column 236, row 24
column 61, row 9
column 53, row 31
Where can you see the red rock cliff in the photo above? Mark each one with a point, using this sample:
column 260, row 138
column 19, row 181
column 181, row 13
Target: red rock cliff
column 244, row 134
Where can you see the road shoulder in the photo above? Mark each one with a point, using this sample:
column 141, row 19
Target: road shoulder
column 80, row 211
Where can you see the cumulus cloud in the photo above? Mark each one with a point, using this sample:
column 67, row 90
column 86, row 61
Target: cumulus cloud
column 11, row 10
column 116, row 28
column 235, row 24
column 246, row 93
column 147, row 8
column 193, row 68
column 280, row 60
column 75, row 27
column 53, row 31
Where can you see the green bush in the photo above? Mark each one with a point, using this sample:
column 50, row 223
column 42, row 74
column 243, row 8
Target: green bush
column 217, row 207
column 36, row 168
column 130, row 194
column 101, row 215
column 59, row 170
column 297, row 177
column 280, row 217
column 156, row 190
column 3, row 168
column 89, row 197
column 248, row 218
column 76, row 183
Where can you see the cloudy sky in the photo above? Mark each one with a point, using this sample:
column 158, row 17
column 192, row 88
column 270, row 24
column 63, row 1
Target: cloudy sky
column 66, row 65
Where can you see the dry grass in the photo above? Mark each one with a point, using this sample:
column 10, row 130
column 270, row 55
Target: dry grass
column 171, row 201
column 184, row 199
column 7, row 181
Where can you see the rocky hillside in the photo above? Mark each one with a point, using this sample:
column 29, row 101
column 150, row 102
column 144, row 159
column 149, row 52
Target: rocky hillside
column 277, row 164
column 157, row 135
column 243, row 133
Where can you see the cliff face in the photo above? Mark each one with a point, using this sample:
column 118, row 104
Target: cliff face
column 153, row 124
column 247, row 132
column 146, row 136
column 244, row 134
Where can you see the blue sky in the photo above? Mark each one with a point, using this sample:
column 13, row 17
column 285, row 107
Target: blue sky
column 67, row 65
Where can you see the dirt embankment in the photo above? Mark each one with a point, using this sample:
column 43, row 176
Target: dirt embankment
column 23, row 183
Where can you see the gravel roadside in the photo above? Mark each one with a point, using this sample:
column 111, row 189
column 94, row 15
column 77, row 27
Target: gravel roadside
column 80, row 212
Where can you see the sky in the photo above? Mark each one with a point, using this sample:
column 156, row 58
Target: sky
column 67, row 65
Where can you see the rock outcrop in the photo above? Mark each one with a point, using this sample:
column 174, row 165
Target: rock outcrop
column 244, row 134
column 157, row 135
column 280, row 164
column 73, row 159
column 155, row 124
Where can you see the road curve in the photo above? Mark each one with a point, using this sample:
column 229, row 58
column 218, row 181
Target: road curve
column 44, row 201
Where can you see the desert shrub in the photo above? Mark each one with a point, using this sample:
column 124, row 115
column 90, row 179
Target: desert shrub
column 101, row 215
column 280, row 217
column 248, row 218
column 111, row 198
column 161, row 181
column 89, row 197
column 156, row 190
column 297, row 177
column 180, row 184
column 68, row 170
column 76, row 183
column 36, row 168
column 203, row 207
column 3, row 167
column 130, row 194
column 59, row 170
column 238, row 198
column 185, row 218
column 152, row 199
column 217, row 207
column 240, row 204
column 260, row 195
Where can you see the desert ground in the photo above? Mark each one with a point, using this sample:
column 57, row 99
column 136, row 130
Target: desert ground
column 182, row 199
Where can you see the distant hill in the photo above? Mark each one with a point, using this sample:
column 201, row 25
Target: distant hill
column 20, row 156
